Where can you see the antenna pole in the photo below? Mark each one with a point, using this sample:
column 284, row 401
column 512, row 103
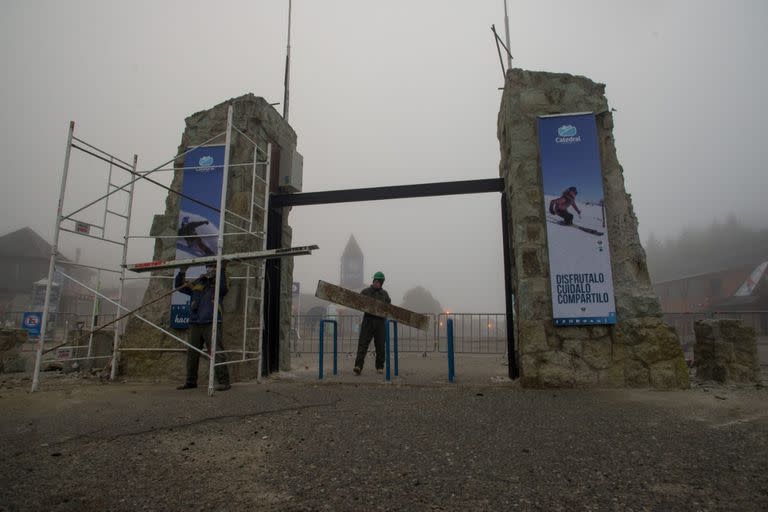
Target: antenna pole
column 506, row 31
column 287, row 66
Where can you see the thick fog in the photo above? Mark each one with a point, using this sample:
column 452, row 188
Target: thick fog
column 385, row 93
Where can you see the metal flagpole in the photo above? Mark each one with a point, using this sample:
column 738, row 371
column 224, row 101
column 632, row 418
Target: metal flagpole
column 52, row 262
column 219, row 249
column 506, row 31
column 287, row 67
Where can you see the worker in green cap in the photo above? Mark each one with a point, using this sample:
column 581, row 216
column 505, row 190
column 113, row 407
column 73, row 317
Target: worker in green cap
column 372, row 327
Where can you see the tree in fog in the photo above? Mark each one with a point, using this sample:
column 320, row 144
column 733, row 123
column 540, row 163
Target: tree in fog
column 721, row 246
column 420, row 300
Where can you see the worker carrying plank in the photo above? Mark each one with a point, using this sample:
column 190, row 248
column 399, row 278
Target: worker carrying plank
column 372, row 327
column 374, row 301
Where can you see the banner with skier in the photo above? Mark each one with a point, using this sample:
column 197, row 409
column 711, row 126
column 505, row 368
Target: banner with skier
column 198, row 225
column 579, row 253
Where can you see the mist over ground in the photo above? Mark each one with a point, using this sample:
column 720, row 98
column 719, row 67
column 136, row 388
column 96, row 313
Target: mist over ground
column 386, row 93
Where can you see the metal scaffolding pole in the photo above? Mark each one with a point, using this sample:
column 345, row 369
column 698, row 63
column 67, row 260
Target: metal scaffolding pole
column 52, row 261
column 116, row 339
column 219, row 249
column 263, row 265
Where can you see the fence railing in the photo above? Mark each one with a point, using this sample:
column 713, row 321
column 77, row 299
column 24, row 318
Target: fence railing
column 476, row 333
column 58, row 321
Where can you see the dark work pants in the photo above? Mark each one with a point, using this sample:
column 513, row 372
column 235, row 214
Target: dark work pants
column 199, row 336
column 567, row 217
column 372, row 327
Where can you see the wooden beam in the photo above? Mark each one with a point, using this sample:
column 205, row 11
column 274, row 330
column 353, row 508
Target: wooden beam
column 239, row 256
column 354, row 300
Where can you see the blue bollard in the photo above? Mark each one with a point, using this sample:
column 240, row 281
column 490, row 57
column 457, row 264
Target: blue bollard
column 451, row 368
column 397, row 358
column 386, row 351
column 322, row 347
column 335, row 348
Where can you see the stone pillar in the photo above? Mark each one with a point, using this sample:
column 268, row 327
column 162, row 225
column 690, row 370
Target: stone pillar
column 726, row 351
column 640, row 350
column 261, row 123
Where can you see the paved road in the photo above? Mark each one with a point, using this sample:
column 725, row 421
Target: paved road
column 362, row 444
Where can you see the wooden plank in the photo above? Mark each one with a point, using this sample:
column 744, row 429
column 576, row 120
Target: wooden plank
column 360, row 302
column 239, row 256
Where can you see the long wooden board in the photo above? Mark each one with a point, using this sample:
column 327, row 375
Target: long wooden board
column 354, row 300
column 238, row 256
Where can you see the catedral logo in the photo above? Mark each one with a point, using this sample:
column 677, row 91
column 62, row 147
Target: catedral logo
column 567, row 134
column 205, row 164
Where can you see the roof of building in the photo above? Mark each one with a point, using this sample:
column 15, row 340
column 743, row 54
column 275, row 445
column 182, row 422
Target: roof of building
column 24, row 243
column 352, row 250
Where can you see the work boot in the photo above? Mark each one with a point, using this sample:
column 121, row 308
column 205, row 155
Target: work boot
column 357, row 370
column 187, row 385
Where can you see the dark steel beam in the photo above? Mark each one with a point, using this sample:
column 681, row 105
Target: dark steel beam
column 395, row 192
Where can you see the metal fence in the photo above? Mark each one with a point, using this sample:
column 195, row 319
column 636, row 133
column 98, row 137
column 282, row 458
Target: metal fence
column 59, row 321
column 474, row 333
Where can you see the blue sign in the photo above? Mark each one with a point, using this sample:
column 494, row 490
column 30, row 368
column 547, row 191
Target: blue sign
column 581, row 277
column 198, row 225
column 32, row 322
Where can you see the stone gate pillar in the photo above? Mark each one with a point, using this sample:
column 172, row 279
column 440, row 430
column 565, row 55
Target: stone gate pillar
column 640, row 350
column 261, row 123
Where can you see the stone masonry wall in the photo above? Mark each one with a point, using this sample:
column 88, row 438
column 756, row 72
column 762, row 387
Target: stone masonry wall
column 726, row 351
column 640, row 350
column 261, row 122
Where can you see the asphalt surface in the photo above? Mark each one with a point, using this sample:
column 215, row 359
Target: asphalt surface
column 295, row 443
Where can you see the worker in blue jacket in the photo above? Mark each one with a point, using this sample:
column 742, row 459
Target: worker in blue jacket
column 201, row 292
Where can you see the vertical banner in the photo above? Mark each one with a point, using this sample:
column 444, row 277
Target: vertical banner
column 579, row 256
column 198, row 226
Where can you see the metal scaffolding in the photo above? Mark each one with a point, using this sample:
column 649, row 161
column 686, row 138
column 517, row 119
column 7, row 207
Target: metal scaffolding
column 64, row 223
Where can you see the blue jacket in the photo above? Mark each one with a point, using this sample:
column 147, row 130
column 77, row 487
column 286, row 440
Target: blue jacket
column 201, row 292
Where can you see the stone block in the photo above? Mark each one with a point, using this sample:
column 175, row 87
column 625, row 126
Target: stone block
column 583, row 374
column 529, row 370
column 655, row 350
column 573, row 333
column 663, row 375
column 705, row 329
column 533, row 232
column 744, row 374
column 636, row 374
column 573, row 347
column 556, row 370
column 534, row 101
column 531, row 266
column 597, row 354
column 612, row 377
column 13, row 364
column 730, row 328
column 532, row 337
column 597, row 331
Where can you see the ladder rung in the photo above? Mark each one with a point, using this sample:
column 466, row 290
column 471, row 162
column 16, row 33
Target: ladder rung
column 120, row 188
column 118, row 214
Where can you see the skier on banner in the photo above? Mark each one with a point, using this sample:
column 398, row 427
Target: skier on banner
column 560, row 205
column 189, row 230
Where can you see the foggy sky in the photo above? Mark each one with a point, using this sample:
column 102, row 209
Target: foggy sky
column 387, row 93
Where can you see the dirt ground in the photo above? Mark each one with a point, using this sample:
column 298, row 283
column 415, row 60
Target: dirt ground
column 359, row 443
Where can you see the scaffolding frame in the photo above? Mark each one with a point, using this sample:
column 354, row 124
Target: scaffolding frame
column 135, row 175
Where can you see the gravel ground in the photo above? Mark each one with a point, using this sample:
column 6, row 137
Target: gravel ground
column 295, row 444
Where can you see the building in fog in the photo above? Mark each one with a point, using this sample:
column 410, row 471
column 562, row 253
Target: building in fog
column 24, row 259
column 352, row 267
